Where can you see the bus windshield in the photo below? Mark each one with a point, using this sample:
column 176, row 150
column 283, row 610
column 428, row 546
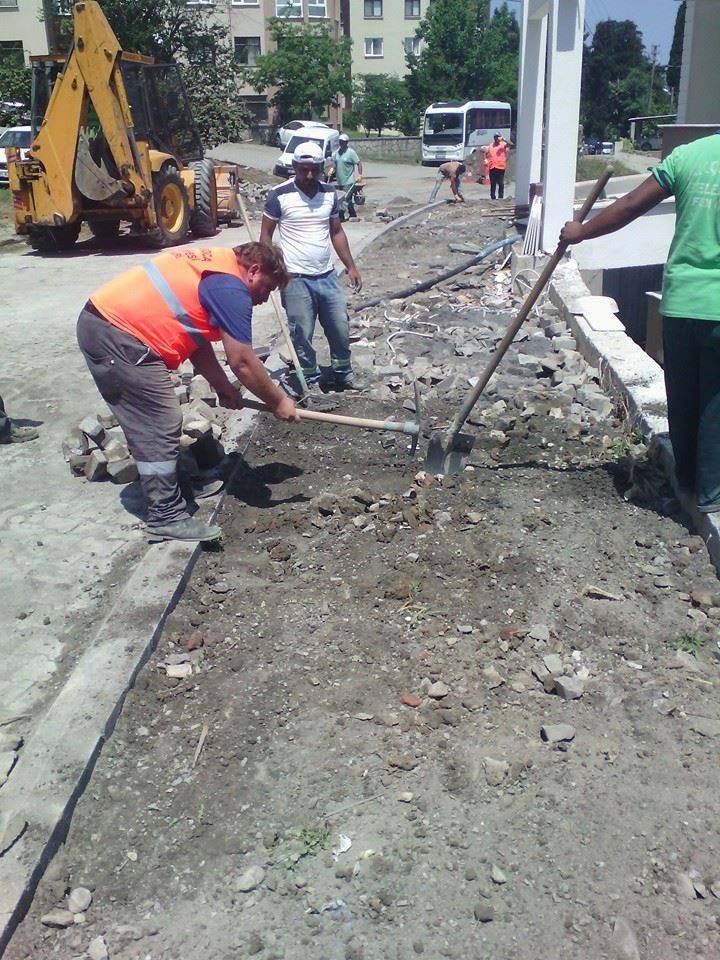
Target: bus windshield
column 443, row 127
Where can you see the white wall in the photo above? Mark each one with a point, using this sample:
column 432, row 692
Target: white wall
column 699, row 96
column 644, row 242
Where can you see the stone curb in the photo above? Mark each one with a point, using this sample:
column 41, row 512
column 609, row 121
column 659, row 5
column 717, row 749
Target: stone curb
column 627, row 369
column 57, row 762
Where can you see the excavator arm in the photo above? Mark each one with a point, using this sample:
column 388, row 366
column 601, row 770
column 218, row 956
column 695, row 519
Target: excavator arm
column 91, row 78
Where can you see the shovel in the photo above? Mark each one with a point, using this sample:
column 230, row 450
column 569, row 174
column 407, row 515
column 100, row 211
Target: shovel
column 448, row 450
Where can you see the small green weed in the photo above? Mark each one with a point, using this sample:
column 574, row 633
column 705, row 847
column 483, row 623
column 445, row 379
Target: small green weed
column 622, row 446
column 688, row 642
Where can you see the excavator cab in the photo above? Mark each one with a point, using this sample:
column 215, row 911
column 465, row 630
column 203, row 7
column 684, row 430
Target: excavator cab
column 114, row 140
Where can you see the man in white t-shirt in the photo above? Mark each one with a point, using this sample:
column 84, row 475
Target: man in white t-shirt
column 308, row 220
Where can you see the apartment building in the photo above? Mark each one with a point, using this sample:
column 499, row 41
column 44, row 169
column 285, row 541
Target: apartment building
column 248, row 27
column 22, row 30
column 383, row 31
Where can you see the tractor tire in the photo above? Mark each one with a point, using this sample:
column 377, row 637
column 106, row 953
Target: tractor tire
column 104, row 230
column 54, row 239
column 172, row 209
column 204, row 218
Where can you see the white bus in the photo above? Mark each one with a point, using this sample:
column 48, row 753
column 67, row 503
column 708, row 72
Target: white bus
column 453, row 129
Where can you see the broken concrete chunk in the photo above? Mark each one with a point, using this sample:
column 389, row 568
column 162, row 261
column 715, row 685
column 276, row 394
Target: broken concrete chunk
column 495, row 771
column 569, row 687
column 97, row 949
column 557, row 732
column 58, row 918
column 107, row 420
column 93, row 429
column 178, row 671
column 123, row 471
column 200, row 389
column 115, row 450
column 181, row 392
column 96, row 466
column 554, row 664
column 250, row 879
column 79, row 900
column 75, row 444
column 78, row 463
column 196, row 426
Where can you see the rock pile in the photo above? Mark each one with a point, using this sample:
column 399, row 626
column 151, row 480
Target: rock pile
column 97, row 448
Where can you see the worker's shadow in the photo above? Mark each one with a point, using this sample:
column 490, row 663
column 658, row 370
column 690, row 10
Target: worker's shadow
column 253, row 485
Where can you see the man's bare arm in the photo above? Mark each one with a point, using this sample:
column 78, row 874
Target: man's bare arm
column 339, row 240
column 252, row 374
column 623, row 211
column 267, row 229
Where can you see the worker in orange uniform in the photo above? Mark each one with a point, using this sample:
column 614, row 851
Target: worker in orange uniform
column 496, row 162
column 146, row 322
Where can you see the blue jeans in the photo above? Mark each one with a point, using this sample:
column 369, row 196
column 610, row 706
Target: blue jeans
column 692, row 383
column 307, row 299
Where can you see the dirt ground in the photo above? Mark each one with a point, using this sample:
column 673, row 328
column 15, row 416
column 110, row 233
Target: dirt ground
column 354, row 768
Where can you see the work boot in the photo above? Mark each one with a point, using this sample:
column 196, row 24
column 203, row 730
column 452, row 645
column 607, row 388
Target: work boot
column 20, row 435
column 291, row 385
column 206, row 488
column 188, row 529
column 348, row 381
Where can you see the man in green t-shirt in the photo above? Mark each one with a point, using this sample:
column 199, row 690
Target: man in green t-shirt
column 690, row 304
column 347, row 162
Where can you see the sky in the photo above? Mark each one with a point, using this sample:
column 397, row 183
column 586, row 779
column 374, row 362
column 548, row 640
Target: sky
column 655, row 19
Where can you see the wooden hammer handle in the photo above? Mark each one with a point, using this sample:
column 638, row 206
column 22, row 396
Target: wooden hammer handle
column 397, row 426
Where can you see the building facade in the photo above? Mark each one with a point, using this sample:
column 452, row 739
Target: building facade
column 383, row 31
column 22, row 30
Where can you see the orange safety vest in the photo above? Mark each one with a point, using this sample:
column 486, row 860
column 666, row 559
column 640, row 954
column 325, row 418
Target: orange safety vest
column 158, row 302
column 496, row 156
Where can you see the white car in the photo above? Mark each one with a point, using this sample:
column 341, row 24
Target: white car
column 13, row 137
column 328, row 140
column 287, row 131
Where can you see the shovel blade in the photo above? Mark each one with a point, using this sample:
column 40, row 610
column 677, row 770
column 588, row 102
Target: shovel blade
column 448, row 455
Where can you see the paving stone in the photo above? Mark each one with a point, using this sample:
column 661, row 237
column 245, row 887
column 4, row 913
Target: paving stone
column 569, row 687
column 123, row 471
column 495, row 771
column 75, row 444
column 96, row 466
column 93, row 429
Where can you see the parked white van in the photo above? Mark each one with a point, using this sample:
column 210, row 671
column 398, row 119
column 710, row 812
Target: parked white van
column 328, row 140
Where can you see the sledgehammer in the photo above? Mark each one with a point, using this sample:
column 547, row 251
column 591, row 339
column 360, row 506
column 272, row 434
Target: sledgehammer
column 410, row 427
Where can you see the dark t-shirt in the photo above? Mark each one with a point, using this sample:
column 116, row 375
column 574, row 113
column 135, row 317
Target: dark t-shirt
column 229, row 303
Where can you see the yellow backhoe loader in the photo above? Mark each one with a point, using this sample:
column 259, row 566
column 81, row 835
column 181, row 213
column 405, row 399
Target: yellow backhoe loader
column 114, row 141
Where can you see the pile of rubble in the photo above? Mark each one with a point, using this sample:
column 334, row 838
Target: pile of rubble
column 97, row 448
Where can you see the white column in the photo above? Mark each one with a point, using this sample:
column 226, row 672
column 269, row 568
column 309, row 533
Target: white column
column 699, row 96
column 562, row 115
column 531, row 82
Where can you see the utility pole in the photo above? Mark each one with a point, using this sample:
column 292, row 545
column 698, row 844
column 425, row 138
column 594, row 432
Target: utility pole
column 653, row 53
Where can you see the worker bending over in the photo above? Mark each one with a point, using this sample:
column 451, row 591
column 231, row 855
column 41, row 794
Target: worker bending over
column 690, row 304
column 150, row 319
column 451, row 171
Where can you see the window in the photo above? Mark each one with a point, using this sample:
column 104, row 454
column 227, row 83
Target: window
column 246, row 3
column 373, row 46
column 412, row 45
column 12, row 50
column 412, row 9
column 200, row 3
column 288, row 8
column 317, row 9
column 8, row 4
column 373, row 10
column 247, row 50
column 257, row 106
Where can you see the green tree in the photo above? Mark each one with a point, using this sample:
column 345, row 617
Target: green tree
column 14, row 88
column 618, row 80
column 170, row 30
column 378, row 100
column 675, row 61
column 310, row 69
column 465, row 54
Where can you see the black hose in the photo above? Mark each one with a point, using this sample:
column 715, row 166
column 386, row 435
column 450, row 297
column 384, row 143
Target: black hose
column 445, row 275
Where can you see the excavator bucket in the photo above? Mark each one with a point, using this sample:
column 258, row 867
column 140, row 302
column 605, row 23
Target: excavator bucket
column 92, row 179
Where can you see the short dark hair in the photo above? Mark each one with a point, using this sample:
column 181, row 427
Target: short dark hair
column 267, row 256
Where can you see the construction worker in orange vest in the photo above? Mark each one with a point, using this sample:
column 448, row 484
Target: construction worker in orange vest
column 146, row 322
column 496, row 162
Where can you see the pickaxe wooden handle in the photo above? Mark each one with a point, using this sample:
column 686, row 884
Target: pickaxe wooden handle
column 409, row 427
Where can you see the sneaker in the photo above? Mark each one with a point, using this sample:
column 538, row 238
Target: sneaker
column 206, row 488
column 188, row 530
column 20, row 435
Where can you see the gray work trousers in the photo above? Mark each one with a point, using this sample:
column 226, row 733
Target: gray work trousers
column 135, row 384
